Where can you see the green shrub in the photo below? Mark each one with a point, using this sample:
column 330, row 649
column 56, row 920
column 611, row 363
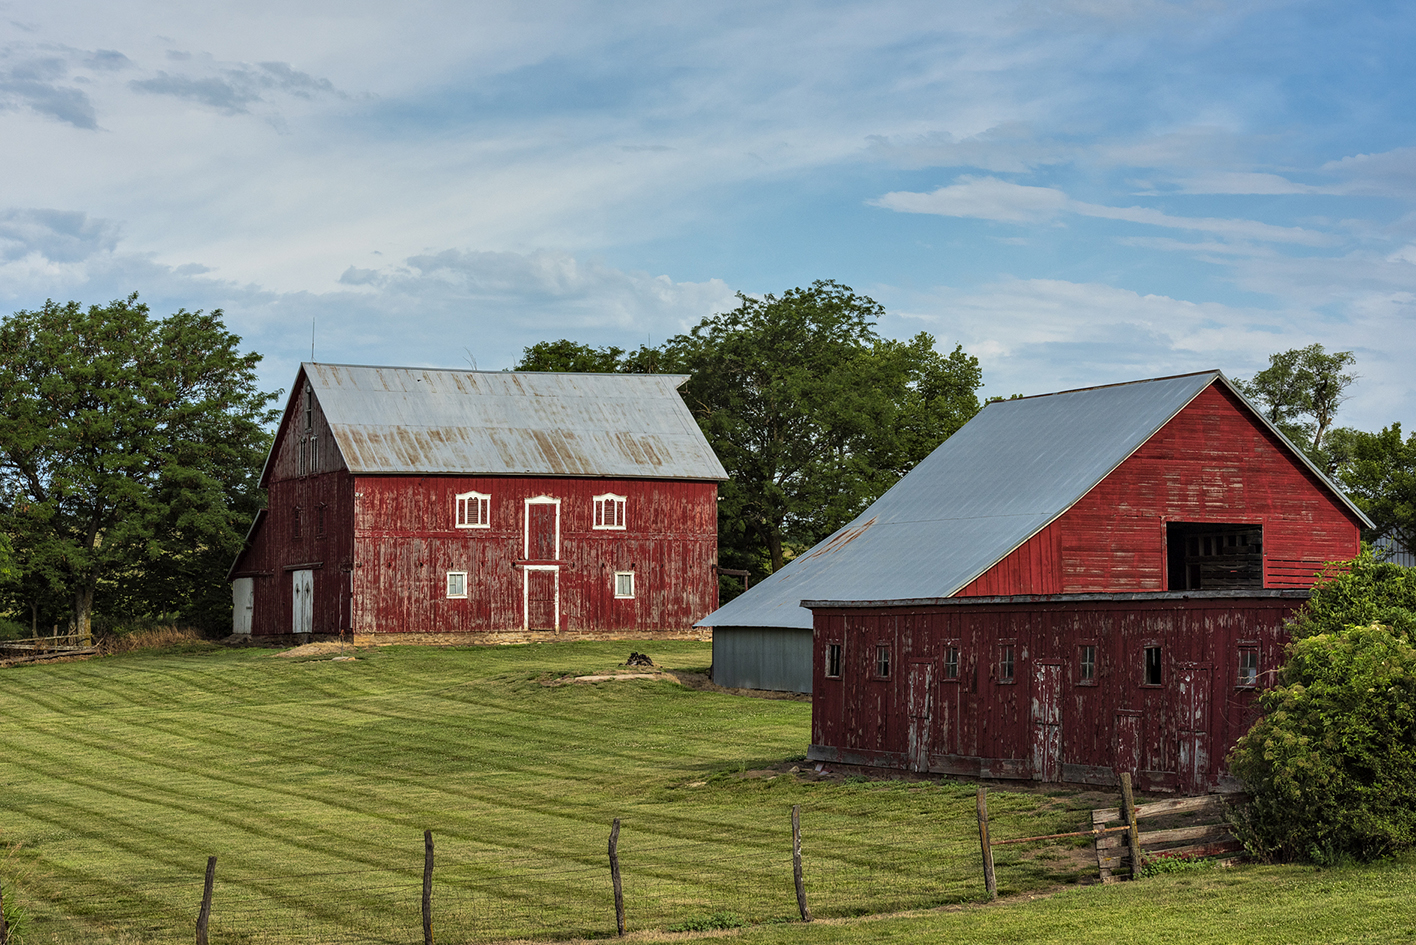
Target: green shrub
column 1165, row 863
column 1331, row 766
column 1371, row 592
column 13, row 629
column 709, row 923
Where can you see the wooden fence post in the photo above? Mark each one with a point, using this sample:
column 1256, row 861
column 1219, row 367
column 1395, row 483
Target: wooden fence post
column 427, row 887
column 1128, row 814
column 796, row 864
column 990, row 882
column 204, row 916
column 615, row 876
column 4, row 930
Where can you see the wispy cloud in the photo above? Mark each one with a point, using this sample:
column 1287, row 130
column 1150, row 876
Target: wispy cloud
column 988, row 198
column 38, row 83
column 233, row 90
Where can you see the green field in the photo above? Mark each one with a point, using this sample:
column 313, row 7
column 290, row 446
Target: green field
column 313, row 780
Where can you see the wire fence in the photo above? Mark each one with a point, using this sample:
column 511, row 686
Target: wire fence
column 852, row 864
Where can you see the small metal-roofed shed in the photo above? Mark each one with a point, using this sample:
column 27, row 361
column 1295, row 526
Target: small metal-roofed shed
column 477, row 505
column 1092, row 490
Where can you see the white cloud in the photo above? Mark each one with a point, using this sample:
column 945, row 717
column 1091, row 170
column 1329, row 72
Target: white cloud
column 989, row 198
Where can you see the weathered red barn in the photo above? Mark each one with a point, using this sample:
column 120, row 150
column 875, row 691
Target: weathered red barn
column 1071, row 586
column 481, row 505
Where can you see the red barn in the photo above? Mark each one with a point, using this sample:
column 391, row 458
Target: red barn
column 1071, row 586
column 466, row 505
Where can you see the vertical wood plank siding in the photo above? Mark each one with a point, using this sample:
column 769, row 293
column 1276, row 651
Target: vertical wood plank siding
column 982, row 725
column 388, row 543
column 1210, row 463
column 407, row 542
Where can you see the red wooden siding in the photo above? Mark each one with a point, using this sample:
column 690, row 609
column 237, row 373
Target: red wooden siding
column 408, row 541
column 324, row 543
column 1213, row 462
column 381, row 560
column 1048, row 722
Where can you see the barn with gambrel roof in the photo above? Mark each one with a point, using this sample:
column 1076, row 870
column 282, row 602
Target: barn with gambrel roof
column 478, row 505
column 1072, row 585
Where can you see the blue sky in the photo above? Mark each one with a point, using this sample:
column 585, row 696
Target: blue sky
column 1079, row 192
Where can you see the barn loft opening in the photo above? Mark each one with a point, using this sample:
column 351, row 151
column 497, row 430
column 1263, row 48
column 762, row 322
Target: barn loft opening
column 1214, row 556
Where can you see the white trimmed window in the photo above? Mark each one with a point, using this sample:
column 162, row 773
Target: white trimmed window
column 457, row 584
column 474, row 510
column 609, row 511
column 624, row 584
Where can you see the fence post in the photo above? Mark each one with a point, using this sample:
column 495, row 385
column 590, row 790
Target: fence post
column 990, row 882
column 615, row 876
column 796, row 864
column 4, row 930
column 204, row 916
column 427, row 887
column 1128, row 814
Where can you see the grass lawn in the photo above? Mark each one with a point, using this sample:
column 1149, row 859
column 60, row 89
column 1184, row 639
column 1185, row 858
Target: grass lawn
column 313, row 780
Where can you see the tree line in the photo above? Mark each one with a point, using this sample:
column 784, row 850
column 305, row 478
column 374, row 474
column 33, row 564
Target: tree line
column 132, row 445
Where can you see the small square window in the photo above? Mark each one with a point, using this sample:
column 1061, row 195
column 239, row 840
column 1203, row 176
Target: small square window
column 609, row 511
column 624, row 584
column 882, row 661
column 951, row 662
column 833, row 659
column 1086, row 664
column 457, row 584
column 1152, row 666
column 1248, row 666
column 1005, row 663
column 474, row 510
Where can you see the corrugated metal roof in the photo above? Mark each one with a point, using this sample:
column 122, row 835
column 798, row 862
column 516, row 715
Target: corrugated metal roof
column 424, row 421
column 991, row 486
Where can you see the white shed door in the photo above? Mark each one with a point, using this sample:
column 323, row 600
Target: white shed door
column 243, row 604
column 304, row 601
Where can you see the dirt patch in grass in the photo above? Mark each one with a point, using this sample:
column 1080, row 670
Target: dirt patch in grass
column 320, row 648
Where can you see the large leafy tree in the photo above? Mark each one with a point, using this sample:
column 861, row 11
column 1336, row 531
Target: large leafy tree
column 128, row 457
column 812, row 413
column 1378, row 470
column 1300, row 392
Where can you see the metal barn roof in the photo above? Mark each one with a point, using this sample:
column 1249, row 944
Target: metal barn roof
column 423, row 421
column 991, row 486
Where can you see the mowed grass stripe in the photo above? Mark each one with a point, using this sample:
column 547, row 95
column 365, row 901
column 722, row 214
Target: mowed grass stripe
column 313, row 780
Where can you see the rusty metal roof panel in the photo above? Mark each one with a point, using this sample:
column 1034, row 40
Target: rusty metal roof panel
column 426, row 422
column 991, row 486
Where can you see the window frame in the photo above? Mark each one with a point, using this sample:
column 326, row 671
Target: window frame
column 609, row 500
column 463, row 503
column 950, row 670
column 295, row 532
column 619, row 575
column 1007, row 657
column 1146, row 652
column 1251, row 681
column 881, row 666
column 1087, row 659
column 448, row 585
column 833, row 660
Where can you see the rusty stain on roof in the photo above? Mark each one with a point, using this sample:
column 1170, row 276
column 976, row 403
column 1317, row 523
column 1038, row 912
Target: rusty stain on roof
column 416, row 420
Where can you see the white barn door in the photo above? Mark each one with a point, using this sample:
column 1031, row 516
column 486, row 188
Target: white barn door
column 303, row 611
column 243, row 604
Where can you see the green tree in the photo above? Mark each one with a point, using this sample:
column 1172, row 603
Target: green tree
column 128, row 455
column 1378, row 472
column 1300, row 392
column 9, row 569
column 566, row 355
column 1331, row 765
column 813, row 414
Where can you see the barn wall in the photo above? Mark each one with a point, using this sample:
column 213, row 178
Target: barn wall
column 323, row 502
column 1213, row 462
column 408, row 541
column 979, row 725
